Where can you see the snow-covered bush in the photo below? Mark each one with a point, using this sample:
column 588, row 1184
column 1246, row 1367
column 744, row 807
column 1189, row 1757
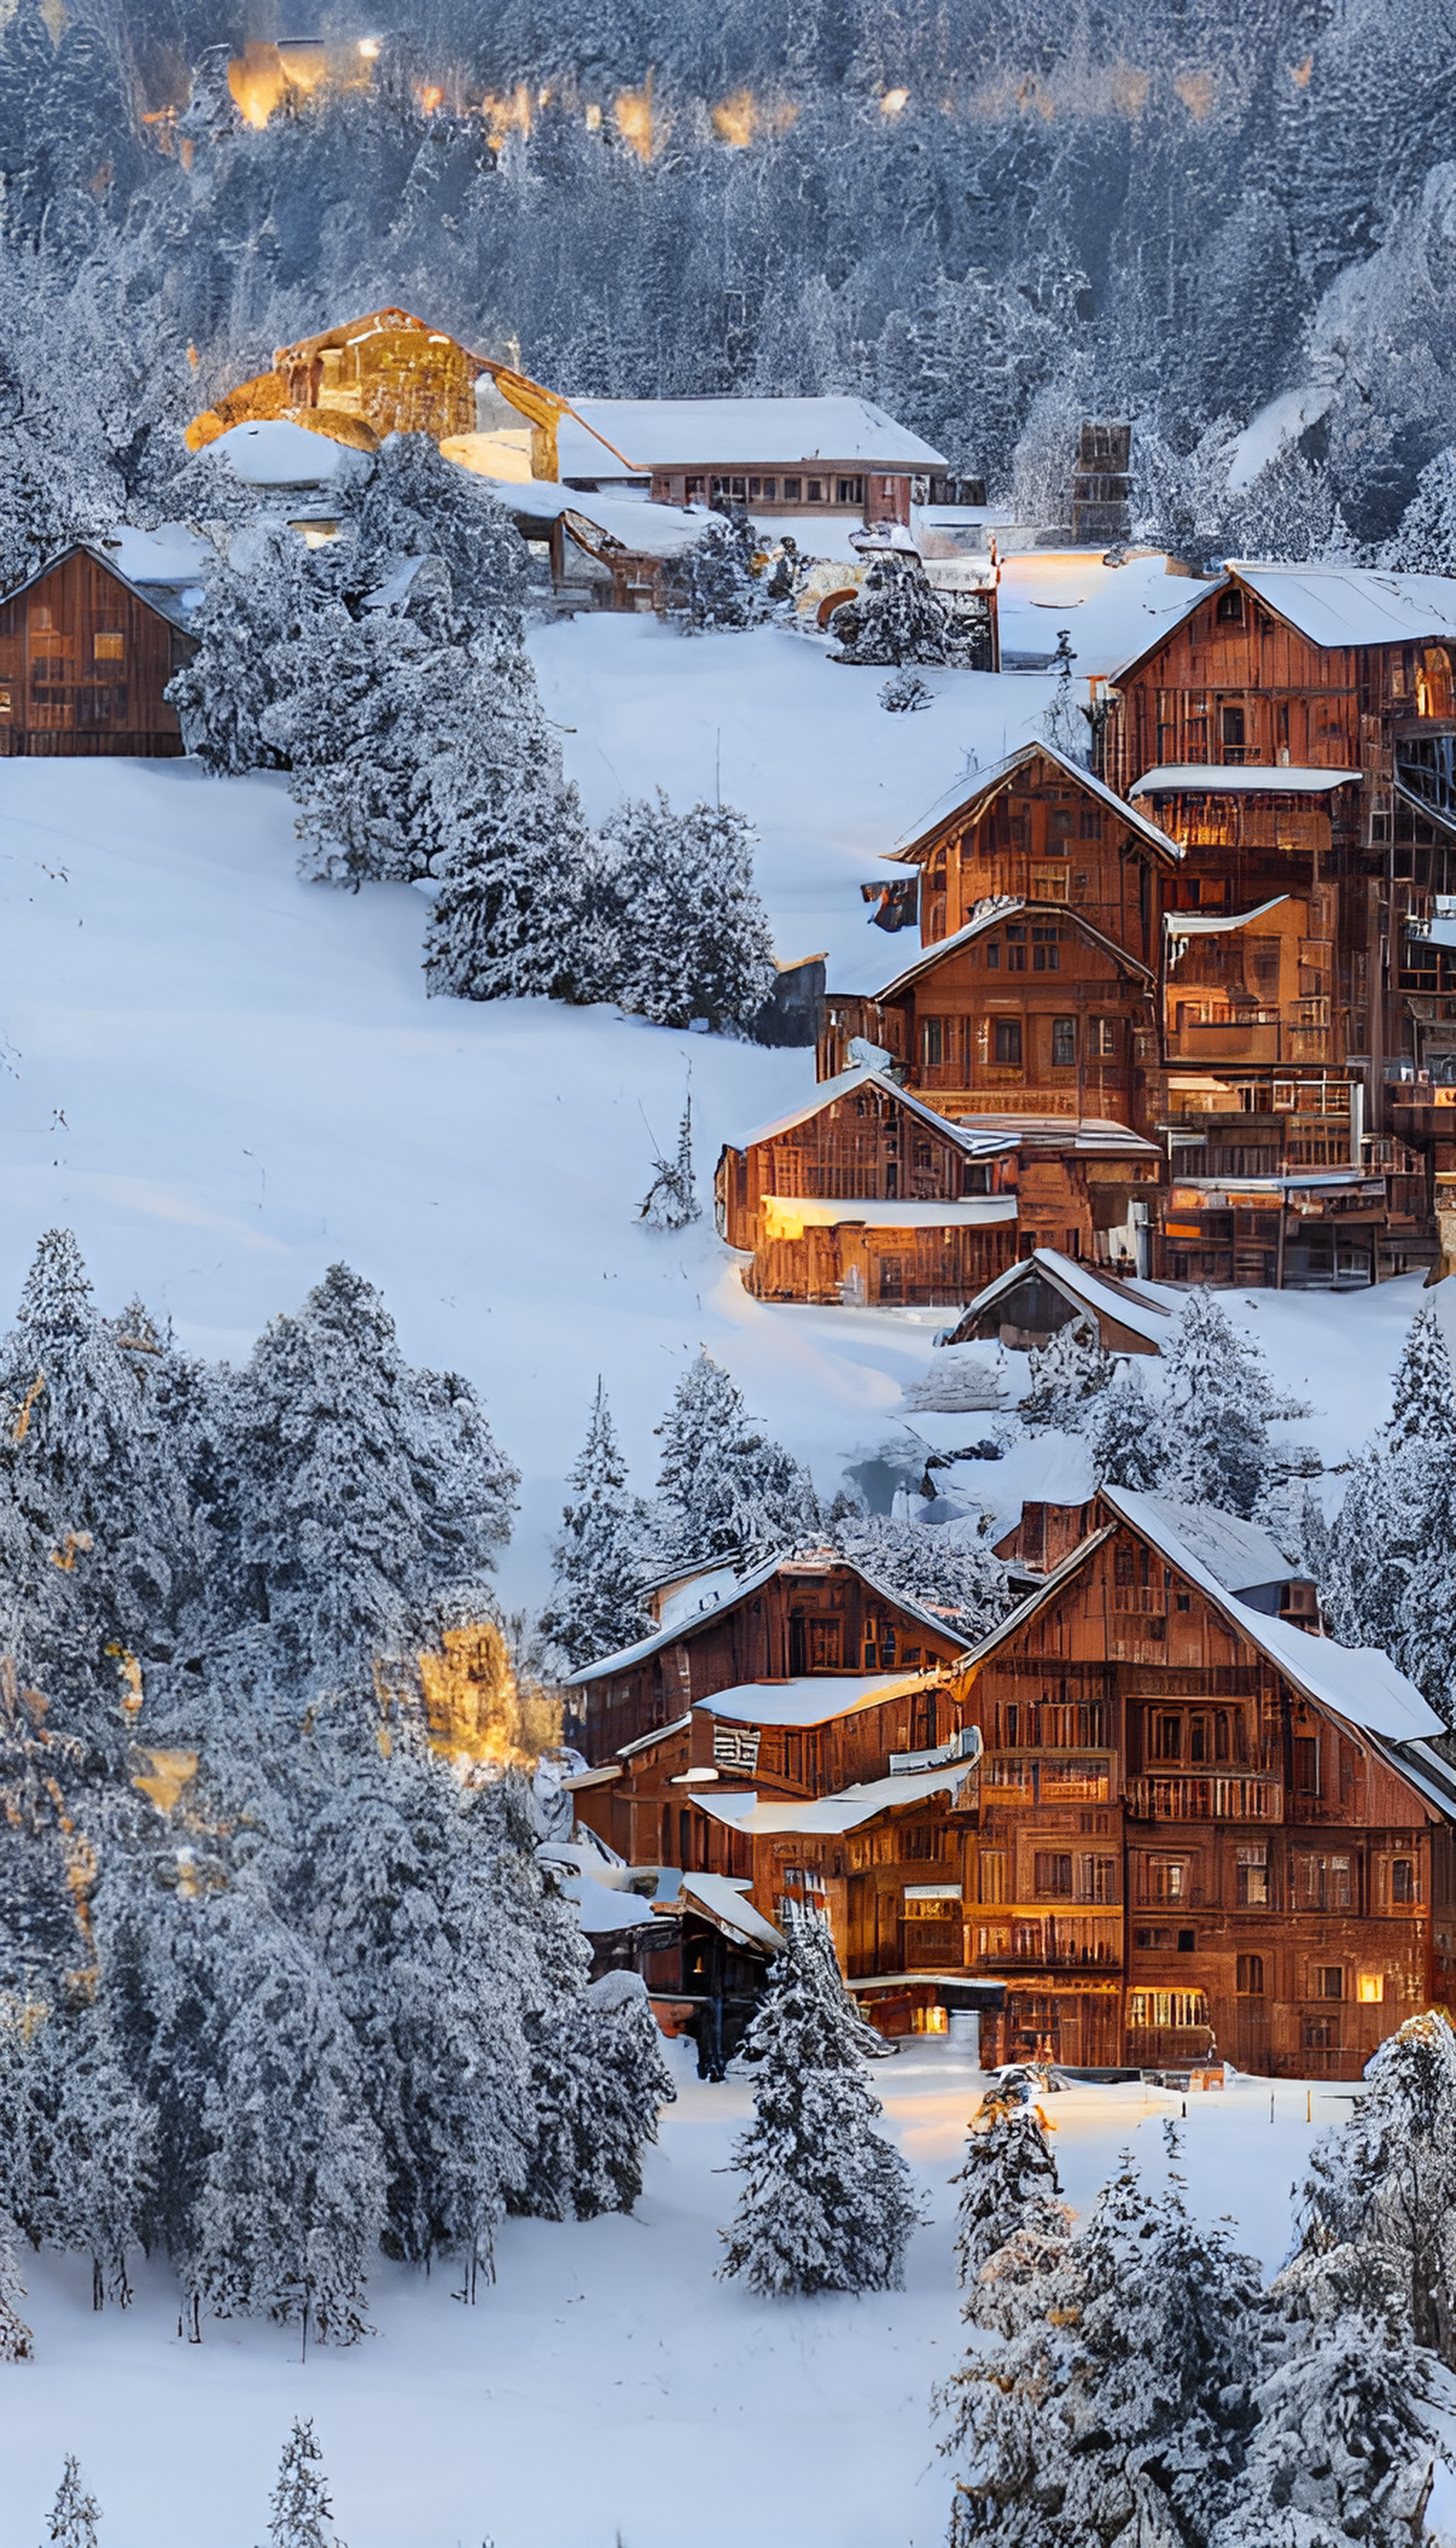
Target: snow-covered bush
column 904, row 693
column 691, row 936
column 672, row 1198
column 716, row 583
column 894, row 619
column 827, row 2204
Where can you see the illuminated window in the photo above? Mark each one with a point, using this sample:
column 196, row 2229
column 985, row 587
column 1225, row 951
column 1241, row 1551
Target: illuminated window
column 1370, row 1988
column 1251, row 1862
column 108, row 645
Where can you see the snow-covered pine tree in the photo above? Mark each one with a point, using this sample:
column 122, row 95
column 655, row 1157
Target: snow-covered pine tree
column 827, row 2204
column 1065, row 1377
column 97, row 2149
column 415, row 504
column 1008, row 2168
column 1123, row 1433
column 264, row 591
column 951, row 1567
column 693, row 936
column 1339, row 2449
column 289, row 2213
column 1064, row 723
column 1388, row 1570
column 74, row 2514
column 33, row 528
column 1383, row 2186
column 672, row 1198
column 599, row 1561
column 894, row 619
column 600, row 2077
column 362, row 1487
column 724, row 1489
column 17, row 2345
column 299, row 2512
column 713, row 584
column 1424, row 542
column 1217, row 1399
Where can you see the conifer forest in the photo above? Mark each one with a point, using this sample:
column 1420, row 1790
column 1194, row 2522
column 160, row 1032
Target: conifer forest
column 728, row 1274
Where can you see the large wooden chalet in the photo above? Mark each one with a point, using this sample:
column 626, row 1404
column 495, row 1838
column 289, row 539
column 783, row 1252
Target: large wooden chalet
column 1155, row 1814
column 86, row 657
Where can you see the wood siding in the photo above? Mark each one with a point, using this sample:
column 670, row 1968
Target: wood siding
column 1041, row 837
column 84, row 660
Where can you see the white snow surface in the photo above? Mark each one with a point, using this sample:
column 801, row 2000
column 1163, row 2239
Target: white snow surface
column 223, row 1080
column 606, row 2382
column 275, row 452
column 735, row 433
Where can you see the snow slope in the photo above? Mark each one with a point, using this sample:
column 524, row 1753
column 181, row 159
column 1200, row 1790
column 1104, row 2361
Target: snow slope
column 223, row 1079
column 607, row 2386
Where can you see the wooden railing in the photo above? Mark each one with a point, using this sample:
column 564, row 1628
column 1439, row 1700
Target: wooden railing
column 1217, row 1798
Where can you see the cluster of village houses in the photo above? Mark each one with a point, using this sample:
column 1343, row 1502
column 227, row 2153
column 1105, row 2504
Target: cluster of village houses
column 1185, row 1014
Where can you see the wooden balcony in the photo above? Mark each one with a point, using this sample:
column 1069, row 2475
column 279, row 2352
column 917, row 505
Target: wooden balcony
column 1219, row 1796
column 1044, row 1941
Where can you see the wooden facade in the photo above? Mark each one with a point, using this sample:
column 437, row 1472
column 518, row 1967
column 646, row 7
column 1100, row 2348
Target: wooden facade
column 793, row 1619
column 1045, row 1292
column 866, row 1195
column 388, row 373
column 84, row 661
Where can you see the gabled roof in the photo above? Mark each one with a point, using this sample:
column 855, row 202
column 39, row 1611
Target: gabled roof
column 1001, row 776
column 1358, row 1683
column 1086, row 1289
column 89, row 548
column 742, row 1585
column 813, row 1700
column 840, row 1813
column 737, row 432
column 1007, row 907
column 1236, row 1552
column 970, row 1137
column 1330, row 605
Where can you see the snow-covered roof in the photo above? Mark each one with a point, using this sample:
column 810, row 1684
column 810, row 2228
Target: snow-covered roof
column 724, row 1900
column 1358, row 1683
column 972, row 1134
column 602, row 1910
column 645, row 1742
column 1212, row 924
column 171, row 555
column 736, row 1590
column 1002, row 775
column 277, row 453
column 734, row 433
column 1006, row 907
column 1086, row 1135
column 1352, row 606
column 811, row 1700
column 1085, row 1288
column 1237, row 1552
column 840, row 1813
column 652, row 530
column 785, row 1213
column 1266, row 778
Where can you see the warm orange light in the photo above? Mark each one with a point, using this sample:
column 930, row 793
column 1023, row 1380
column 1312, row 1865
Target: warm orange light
column 735, row 119
column 894, row 101
column 636, row 121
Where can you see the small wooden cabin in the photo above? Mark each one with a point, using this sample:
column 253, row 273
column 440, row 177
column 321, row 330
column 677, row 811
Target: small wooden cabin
column 812, row 1624
column 1029, row 1304
column 1203, row 1829
column 86, row 657
column 388, row 373
column 1027, row 1009
column 864, row 1195
column 1039, row 828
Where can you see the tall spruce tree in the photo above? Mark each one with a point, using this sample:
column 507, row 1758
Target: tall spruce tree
column 693, row 936
column 599, row 1560
column 1388, row 1562
column 724, row 1489
column 827, row 2204
column 299, row 2512
column 1218, row 1400
column 1008, row 2171
column 1381, row 2187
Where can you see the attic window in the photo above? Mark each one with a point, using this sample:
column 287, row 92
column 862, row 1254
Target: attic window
column 1230, row 605
column 108, row 645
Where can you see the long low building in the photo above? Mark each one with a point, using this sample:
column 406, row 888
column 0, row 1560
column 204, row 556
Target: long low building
column 830, row 456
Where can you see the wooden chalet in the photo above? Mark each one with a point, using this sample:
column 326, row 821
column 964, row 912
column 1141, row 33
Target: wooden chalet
column 85, row 659
column 1203, row 1827
column 1039, row 828
column 823, row 1669
column 863, row 1194
column 1035, row 1298
column 1295, row 732
column 769, row 456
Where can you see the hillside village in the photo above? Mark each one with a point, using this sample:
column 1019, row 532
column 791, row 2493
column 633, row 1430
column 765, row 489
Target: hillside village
column 1079, row 1739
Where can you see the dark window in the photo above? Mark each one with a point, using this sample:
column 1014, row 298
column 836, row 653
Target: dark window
column 792, row 491
column 1007, row 1041
column 1403, row 1879
column 1045, row 955
column 1326, row 1981
column 1053, row 1874
column 933, row 1041
column 1090, row 826
column 1230, row 605
column 993, row 955
column 1183, row 1601
column 1102, row 1037
column 1250, row 1979
column 1168, row 1738
column 1232, row 723
column 852, row 491
column 1187, row 1942
column 1063, row 1043
column 816, row 492
column 1307, row 1763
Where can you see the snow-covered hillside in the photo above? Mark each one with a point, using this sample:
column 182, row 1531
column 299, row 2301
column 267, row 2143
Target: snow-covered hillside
column 607, row 2387
column 223, row 1079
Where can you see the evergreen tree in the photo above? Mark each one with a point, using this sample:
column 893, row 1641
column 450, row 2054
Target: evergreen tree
column 17, row 2345
column 1008, row 2170
column 672, row 1198
column 264, row 592
column 905, row 693
column 1218, row 1400
column 362, row 1487
column 1385, row 1569
column 598, row 1561
column 1124, row 1431
column 724, row 1490
column 1425, row 541
column 827, row 2203
column 511, row 918
column 414, row 504
column 715, row 583
column 299, row 2512
column 1340, row 2449
column 1383, row 2186
column 1067, row 1376
column 74, row 2514
column 693, row 936
column 894, row 619
column 600, row 2077
column 1064, row 723
column 97, row 2137
column 951, row 1569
